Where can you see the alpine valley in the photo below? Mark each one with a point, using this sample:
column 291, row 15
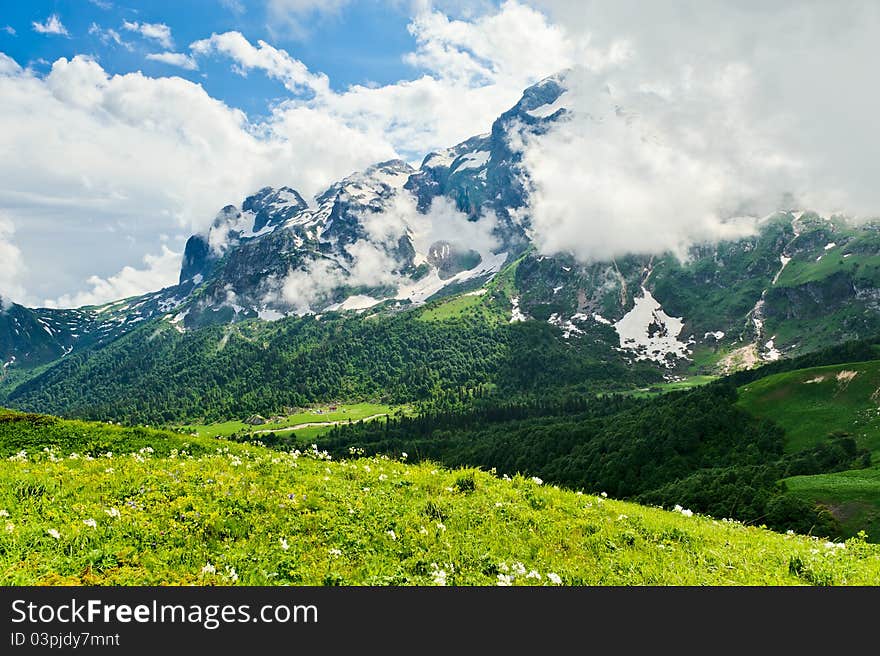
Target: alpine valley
column 739, row 380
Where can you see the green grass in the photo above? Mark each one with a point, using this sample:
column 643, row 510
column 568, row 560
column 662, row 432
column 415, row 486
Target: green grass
column 800, row 271
column 810, row 411
column 241, row 514
column 455, row 308
column 811, row 404
column 318, row 414
column 672, row 386
column 852, row 496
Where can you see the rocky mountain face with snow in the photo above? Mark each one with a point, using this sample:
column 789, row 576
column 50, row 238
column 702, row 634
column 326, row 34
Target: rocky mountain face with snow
column 802, row 282
column 393, row 237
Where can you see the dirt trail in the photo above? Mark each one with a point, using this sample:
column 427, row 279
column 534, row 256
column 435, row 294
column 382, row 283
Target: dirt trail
column 318, row 423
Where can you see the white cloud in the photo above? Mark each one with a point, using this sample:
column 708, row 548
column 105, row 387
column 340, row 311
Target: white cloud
column 693, row 125
column 174, row 59
column 9, row 30
column 441, row 222
column 160, row 271
column 471, row 71
column 272, row 61
column 108, row 36
column 102, row 4
column 144, row 155
column 303, row 288
column 155, row 31
column 52, row 25
column 630, row 171
column 11, row 262
column 8, row 66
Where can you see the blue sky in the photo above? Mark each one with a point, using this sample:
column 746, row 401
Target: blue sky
column 362, row 43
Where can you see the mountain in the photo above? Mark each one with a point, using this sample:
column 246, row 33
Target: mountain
column 434, row 270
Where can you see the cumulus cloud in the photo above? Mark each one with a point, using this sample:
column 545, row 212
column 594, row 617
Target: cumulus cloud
column 469, row 73
column 274, row 62
column 11, row 262
column 158, row 32
column 51, row 25
column 122, row 150
column 694, row 126
column 634, row 171
column 174, row 59
column 9, row 30
column 159, row 271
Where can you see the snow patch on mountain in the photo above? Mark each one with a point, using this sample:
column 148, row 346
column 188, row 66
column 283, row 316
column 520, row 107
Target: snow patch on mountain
column 549, row 109
column 356, row 302
column 421, row 290
column 650, row 333
column 476, row 160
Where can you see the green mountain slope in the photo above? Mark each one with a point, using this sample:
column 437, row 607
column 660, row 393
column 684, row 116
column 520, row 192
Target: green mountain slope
column 248, row 515
column 814, row 406
column 156, row 374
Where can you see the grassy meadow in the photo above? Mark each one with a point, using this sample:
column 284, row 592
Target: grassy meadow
column 197, row 510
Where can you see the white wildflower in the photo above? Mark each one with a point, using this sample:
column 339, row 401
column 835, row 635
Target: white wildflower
column 4, row 512
column 441, row 526
column 112, row 512
column 54, row 533
column 604, row 495
column 404, row 455
column 10, row 527
column 231, row 574
column 335, row 552
column 518, row 569
column 438, row 575
column 505, row 579
column 687, row 512
column 383, row 477
column 392, row 534
column 284, row 544
column 533, row 574
column 554, row 578
column 537, row 481
column 209, row 569
column 91, row 523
